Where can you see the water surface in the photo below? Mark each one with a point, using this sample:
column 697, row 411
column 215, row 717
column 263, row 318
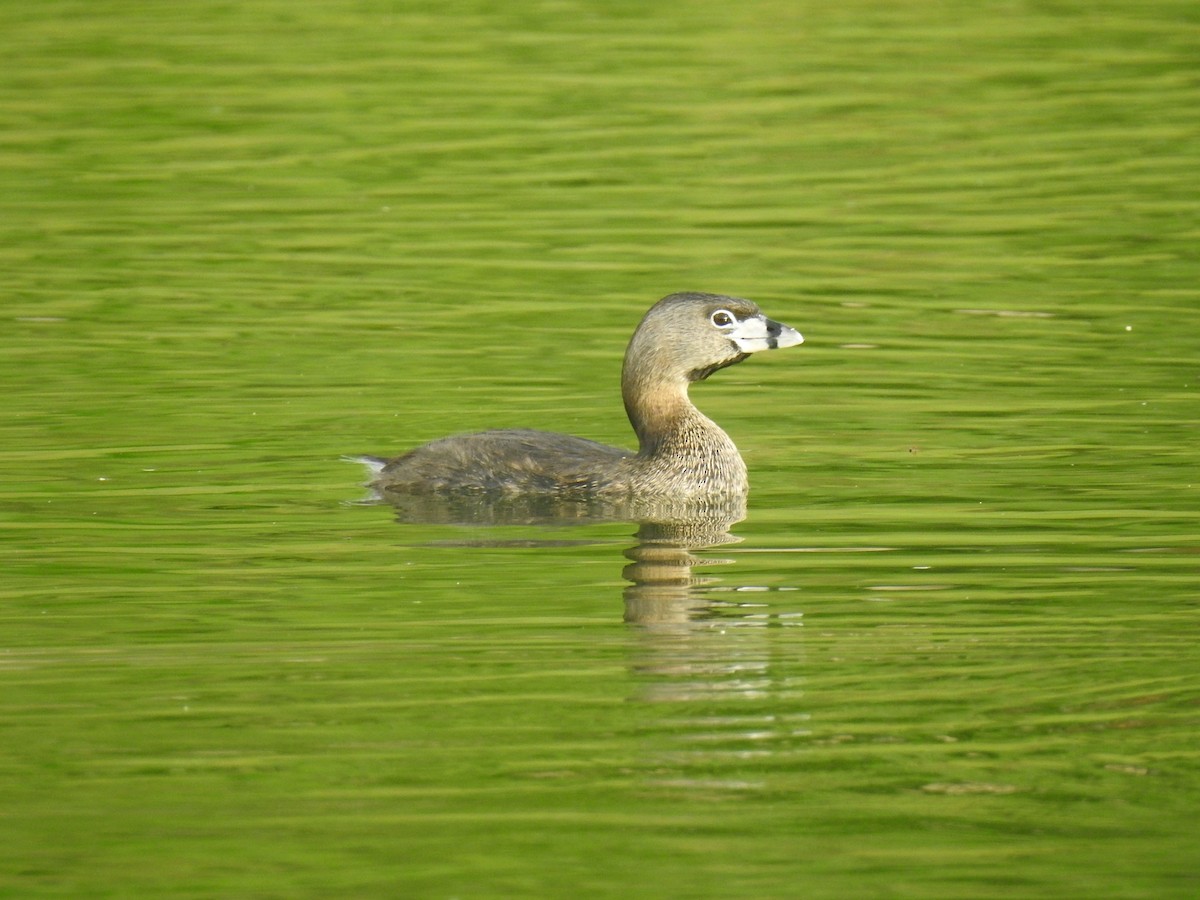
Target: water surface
column 949, row 652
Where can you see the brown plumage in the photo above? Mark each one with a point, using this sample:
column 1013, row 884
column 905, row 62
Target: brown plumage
column 681, row 453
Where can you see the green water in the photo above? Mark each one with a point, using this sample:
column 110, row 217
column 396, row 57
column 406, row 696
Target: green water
column 953, row 651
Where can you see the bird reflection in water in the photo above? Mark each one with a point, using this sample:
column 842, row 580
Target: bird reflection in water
column 664, row 589
column 691, row 643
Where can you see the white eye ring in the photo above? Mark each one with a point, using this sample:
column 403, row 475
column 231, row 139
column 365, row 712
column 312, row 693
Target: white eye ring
column 723, row 318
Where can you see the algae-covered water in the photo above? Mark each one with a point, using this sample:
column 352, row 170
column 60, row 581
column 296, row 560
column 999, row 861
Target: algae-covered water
column 950, row 652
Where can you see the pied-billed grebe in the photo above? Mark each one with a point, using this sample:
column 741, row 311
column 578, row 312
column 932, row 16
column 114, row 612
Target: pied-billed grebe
column 681, row 454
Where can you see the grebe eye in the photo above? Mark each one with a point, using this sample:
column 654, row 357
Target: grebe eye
column 722, row 318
